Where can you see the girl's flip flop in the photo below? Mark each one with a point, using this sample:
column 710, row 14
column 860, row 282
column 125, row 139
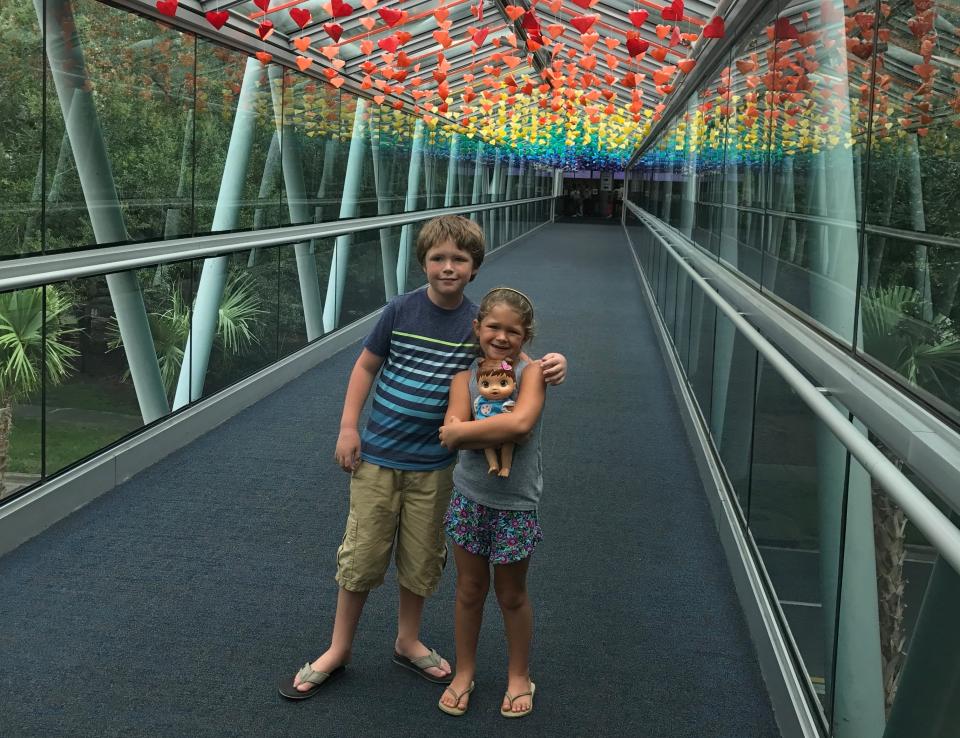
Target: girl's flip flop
column 509, row 713
column 456, row 710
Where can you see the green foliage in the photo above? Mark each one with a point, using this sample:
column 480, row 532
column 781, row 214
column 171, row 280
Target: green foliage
column 926, row 353
column 23, row 323
column 237, row 321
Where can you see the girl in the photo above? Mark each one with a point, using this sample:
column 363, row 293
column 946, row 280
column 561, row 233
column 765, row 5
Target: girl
column 492, row 519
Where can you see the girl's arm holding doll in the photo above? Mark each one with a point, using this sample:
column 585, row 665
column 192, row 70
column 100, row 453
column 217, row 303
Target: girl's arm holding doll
column 509, row 427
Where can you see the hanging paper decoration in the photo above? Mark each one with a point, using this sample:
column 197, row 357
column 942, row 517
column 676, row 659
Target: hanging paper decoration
column 300, row 16
column 168, row 7
column 217, row 18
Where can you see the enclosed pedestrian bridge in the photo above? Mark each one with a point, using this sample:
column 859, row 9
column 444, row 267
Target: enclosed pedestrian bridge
column 735, row 219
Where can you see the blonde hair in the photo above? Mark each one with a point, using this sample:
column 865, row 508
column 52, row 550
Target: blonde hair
column 516, row 301
column 463, row 232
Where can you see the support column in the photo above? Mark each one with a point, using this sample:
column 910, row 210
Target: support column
column 918, row 222
column 448, row 199
column 69, row 74
column 479, row 172
column 388, row 249
column 213, row 276
column 402, row 263
column 330, row 152
column 857, row 688
column 348, row 209
column 172, row 226
column 298, row 206
column 832, row 253
column 508, row 212
column 928, row 700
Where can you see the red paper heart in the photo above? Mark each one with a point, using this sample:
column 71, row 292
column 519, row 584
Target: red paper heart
column 784, row 29
column 674, row 11
column 638, row 17
column 390, row 16
column 334, row 30
column 714, row 29
column 636, row 46
column 340, row 9
column 687, row 65
column 390, row 43
column 264, row 57
column 480, row 36
column 583, row 22
column 264, row 5
column 217, row 18
column 301, row 16
column 659, row 53
column 167, row 7
column 265, row 29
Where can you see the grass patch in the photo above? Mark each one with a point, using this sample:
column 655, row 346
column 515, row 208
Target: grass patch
column 67, row 441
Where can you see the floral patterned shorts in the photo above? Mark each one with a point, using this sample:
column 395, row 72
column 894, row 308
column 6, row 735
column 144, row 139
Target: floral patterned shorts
column 503, row 536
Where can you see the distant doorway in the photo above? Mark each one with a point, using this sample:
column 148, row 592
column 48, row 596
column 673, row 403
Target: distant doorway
column 591, row 196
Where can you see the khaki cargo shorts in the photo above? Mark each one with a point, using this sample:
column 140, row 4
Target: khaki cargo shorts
column 388, row 505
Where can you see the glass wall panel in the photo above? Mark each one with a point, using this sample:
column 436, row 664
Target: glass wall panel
column 93, row 402
column 21, row 361
column 909, row 307
column 732, row 407
column 21, row 146
column 895, row 598
column 237, row 166
column 246, row 326
column 797, row 488
column 119, row 127
column 311, row 135
column 822, row 87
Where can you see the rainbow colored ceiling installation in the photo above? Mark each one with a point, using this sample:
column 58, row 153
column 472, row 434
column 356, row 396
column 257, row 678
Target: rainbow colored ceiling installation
column 573, row 83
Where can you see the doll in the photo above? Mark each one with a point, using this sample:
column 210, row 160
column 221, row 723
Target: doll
column 496, row 383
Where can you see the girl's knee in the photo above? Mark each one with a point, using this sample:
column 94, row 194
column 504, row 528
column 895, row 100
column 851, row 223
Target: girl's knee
column 472, row 591
column 511, row 597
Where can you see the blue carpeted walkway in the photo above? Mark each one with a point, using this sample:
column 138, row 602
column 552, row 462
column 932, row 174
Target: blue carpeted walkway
column 170, row 606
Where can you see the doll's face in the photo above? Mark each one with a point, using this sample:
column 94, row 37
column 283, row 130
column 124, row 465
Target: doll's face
column 495, row 387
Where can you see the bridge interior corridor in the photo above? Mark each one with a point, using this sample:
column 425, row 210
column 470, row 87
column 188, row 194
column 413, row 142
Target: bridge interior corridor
column 171, row 605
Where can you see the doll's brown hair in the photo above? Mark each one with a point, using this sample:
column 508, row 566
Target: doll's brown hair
column 496, row 368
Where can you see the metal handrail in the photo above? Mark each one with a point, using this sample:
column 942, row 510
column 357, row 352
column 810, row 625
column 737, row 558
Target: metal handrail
column 39, row 270
column 901, row 234
column 939, row 531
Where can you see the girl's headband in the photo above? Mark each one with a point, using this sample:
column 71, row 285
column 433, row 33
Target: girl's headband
column 511, row 289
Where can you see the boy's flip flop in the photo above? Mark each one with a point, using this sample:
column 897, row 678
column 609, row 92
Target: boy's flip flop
column 306, row 674
column 420, row 666
column 509, row 713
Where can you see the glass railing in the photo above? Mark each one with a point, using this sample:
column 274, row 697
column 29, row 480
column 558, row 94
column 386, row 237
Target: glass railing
column 95, row 358
column 867, row 602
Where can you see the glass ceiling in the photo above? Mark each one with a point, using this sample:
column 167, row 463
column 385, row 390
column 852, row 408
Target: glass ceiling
column 575, row 82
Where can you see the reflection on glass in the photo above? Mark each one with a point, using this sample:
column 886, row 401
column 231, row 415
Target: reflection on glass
column 239, row 182
column 21, row 108
column 731, row 417
column 23, row 365
column 93, row 403
column 798, row 479
column 245, row 337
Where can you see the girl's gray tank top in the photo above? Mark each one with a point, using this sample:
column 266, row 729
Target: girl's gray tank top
column 521, row 490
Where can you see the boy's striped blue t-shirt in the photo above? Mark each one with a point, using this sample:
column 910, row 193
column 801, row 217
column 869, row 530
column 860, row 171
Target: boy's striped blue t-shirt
column 423, row 347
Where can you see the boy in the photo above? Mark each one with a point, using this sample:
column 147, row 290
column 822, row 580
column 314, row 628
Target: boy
column 402, row 477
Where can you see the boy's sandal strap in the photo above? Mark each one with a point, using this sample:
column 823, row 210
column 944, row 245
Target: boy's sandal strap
column 431, row 660
column 307, row 674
